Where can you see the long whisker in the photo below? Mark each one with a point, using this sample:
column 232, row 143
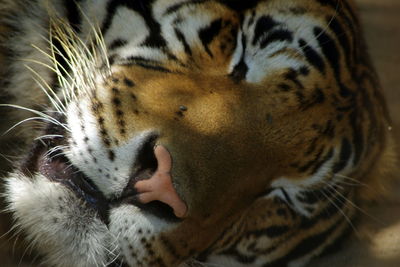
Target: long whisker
column 6, row 158
column 340, row 210
column 54, row 150
column 49, row 136
column 352, row 180
column 348, row 201
column 26, row 120
column 42, row 116
column 54, row 99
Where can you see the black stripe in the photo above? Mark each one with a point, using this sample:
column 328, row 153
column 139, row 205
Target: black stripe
column 304, row 247
column 340, row 6
column 374, row 129
column 117, row 43
column 151, row 67
column 111, row 9
column 144, row 8
column 321, row 195
column 176, row 7
column 345, row 153
column 338, row 243
column 208, row 34
column 292, row 75
column 271, row 231
column 329, row 49
column 308, row 197
column 327, row 157
column 240, row 70
column 316, row 97
column 284, row 87
column 182, row 39
column 144, row 63
column 331, row 52
column 343, row 39
column 329, row 129
column 239, row 256
column 304, row 70
column 312, row 56
column 336, row 202
column 287, row 198
column 264, row 24
column 332, row 3
column 309, row 164
column 240, row 6
column 349, row 9
column 278, row 35
column 312, row 146
column 358, row 137
column 353, row 25
column 351, row 22
column 307, row 245
column 311, row 243
column 73, row 13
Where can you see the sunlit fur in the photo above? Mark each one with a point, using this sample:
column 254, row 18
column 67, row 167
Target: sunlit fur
column 274, row 145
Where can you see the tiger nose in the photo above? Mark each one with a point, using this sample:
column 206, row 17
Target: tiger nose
column 159, row 185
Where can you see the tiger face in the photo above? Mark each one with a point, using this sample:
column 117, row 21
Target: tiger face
column 194, row 131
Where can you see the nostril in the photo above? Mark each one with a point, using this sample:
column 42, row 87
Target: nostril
column 159, row 187
column 150, row 186
column 146, row 163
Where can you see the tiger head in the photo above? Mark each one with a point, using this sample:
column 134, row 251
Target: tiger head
column 201, row 132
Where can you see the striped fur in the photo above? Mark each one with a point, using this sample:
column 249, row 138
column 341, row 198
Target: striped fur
column 271, row 110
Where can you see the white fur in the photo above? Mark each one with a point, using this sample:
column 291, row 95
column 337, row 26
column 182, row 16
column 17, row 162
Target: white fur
column 136, row 224
column 58, row 223
column 61, row 225
column 119, row 170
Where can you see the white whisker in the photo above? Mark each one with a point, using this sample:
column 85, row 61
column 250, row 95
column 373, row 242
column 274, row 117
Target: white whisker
column 340, row 210
column 351, row 179
column 25, row 120
column 49, row 136
column 54, row 99
column 42, row 116
column 348, row 201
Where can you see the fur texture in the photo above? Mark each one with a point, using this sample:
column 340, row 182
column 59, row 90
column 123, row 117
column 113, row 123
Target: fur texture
column 270, row 110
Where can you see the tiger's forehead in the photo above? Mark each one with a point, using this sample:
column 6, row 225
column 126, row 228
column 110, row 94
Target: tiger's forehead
column 166, row 31
column 205, row 36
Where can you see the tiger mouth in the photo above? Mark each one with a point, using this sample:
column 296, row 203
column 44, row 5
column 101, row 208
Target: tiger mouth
column 55, row 166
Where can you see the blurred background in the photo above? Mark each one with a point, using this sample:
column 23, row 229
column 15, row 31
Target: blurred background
column 378, row 240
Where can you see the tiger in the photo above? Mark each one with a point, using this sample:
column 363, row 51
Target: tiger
column 189, row 132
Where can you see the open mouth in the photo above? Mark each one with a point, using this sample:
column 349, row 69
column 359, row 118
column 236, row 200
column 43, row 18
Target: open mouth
column 54, row 165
